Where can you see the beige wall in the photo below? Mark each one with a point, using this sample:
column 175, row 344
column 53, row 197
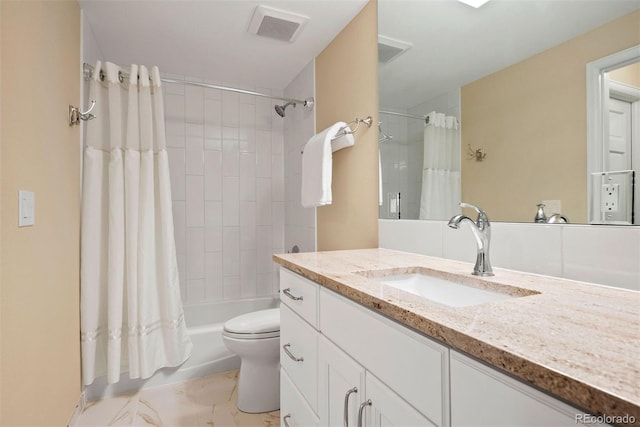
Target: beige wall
column 629, row 75
column 40, row 371
column 531, row 120
column 346, row 88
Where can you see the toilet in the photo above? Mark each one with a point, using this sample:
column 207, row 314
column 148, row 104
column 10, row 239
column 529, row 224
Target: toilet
column 255, row 338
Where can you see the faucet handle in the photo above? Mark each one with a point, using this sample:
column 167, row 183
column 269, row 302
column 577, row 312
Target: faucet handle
column 482, row 215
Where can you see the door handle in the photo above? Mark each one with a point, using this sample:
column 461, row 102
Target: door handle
column 346, row 405
column 288, row 293
column 294, row 358
column 362, row 406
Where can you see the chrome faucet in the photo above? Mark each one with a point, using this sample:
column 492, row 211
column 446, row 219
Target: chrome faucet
column 481, row 229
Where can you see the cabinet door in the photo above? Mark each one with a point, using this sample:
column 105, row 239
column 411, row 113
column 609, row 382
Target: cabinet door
column 482, row 396
column 388, row 409
column 341, row 386
column 294, row 409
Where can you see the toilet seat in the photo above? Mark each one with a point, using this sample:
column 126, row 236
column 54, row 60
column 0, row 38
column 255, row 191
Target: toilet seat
column 263, row 335
column 257, row 325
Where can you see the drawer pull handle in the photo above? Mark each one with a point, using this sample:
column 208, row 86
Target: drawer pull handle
column 285, row 418
column 288, row 293
column 362, row 406
column 294, row 358
column 346, row 405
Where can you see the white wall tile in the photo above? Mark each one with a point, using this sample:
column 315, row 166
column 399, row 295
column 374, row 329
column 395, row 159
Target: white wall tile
column 230, row 109
column 263, row 201
column 230, row 201
column 194, row 156
column 195, row 201
column 263, row 154
column 248, row 274
column 536, row 248
column 214, row 140
column 248, row 225
column 247, row 176
column 607, row 255
column 194, row 104
column 195, row 291
column 247, row 116
column 420, row 237
column 231, row 251
column 230, row 158
column 231, row 286
column 177, row 141
column 213, row 175
column 174, row 108
column 195, row 253
column 213, row 275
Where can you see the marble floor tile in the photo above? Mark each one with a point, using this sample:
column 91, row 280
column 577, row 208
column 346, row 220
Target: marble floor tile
column 203, row 402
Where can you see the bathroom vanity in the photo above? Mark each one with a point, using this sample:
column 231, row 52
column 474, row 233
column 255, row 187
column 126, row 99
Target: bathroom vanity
column 357, row 349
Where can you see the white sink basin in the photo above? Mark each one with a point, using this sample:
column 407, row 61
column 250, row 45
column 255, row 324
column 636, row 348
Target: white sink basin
column 441, row 290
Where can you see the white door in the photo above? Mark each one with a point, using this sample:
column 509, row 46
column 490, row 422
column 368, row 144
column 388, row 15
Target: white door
column 618, row 149
column 341, row 386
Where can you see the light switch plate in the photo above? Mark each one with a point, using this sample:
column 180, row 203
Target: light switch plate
column 26, row 208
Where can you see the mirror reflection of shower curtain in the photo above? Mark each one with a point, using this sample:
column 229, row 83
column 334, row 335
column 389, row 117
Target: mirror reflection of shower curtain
column 131, row 313
column 441, row 168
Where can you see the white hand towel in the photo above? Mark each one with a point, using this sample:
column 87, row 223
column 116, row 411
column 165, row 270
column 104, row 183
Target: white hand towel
column 343, row 141
column 317, row 165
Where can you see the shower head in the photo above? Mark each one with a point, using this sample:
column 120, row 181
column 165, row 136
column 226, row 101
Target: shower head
column 280, row 108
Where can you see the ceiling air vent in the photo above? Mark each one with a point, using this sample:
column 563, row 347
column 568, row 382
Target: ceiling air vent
column 276, row 24
column 389, row 49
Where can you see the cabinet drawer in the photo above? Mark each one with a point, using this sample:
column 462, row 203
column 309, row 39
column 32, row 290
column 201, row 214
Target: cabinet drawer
column 299, row 354
column 294, row 411
column 415, row 367
column 300, row 294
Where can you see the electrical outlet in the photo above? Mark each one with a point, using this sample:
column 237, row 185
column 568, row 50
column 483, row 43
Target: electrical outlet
column 610, row 198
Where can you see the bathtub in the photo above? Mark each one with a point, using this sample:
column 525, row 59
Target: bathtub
column 204, row 324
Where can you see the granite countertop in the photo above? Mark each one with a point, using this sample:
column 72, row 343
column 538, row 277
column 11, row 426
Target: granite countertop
column 575, row 340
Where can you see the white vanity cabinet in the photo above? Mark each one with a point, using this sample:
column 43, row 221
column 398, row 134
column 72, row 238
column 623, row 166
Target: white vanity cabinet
column 358, row 361
column 482, row 396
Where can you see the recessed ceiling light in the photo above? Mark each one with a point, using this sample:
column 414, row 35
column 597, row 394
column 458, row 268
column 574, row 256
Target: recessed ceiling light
column 474, row 3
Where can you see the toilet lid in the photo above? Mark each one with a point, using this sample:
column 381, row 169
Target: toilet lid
column 258, row 322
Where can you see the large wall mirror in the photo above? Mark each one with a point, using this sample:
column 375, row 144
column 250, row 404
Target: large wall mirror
column 503, row 88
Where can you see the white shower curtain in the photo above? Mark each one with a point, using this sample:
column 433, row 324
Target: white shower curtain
column 441, row 168
column 131, row 311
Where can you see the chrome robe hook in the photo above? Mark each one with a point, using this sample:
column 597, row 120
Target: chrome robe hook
column 75, row 115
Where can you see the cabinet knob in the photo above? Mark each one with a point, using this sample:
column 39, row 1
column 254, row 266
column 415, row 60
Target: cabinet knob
column 291, row 356
column 346, row 405
column 288, row 293
column 362, row 406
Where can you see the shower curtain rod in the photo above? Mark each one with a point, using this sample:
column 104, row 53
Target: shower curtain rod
column 411, row 116
column 88, row 70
